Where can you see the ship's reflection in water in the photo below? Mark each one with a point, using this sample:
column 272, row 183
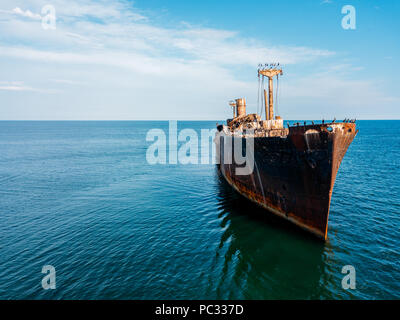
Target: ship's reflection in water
column 263, row 256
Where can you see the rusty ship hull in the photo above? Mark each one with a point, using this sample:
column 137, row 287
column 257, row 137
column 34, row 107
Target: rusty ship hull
column 294, row 172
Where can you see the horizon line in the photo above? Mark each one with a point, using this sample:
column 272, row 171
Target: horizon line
column 192, row 120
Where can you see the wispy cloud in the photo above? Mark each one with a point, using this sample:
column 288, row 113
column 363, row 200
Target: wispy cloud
column 15, row 86
column 120, row 55
column 27, row 13
column 69, row 82
column 116, row 27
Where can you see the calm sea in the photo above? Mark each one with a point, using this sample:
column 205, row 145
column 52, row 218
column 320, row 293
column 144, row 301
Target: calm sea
column 80, row 196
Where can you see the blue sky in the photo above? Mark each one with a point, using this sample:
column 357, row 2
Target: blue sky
column 153, row 59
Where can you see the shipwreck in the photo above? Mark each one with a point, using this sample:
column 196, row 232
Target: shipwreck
column 295, row 166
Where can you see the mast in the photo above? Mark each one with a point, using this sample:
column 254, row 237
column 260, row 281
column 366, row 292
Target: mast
column 270, row 73
column 271, row 98
column 266, row 105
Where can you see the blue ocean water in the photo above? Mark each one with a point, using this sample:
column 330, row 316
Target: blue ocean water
column 80, row 196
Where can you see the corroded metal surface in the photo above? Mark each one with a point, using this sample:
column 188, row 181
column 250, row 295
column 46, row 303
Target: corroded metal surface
column 241, row 107
column 294, row 172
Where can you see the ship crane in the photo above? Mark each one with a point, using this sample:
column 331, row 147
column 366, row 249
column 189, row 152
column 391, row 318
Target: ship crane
column 268, row 96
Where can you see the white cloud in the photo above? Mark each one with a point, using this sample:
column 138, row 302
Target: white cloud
column 123, row 29
column 14, row 86
column 27, row 13
column 109, row 56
